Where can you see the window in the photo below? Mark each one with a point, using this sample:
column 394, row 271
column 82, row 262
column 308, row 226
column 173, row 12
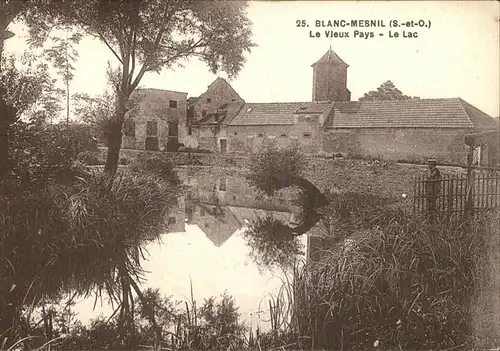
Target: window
column 222, row 184
column 233, row 99
column 306, row 135
column 173, row 104
column 235, row 133
column 209, row 100
column 203, row 113
column 129, row 126
column 283, row 135
column 151, row 128
column 190, row 130
column 260, row 135
column 202, row 212
column 207, row 225
column 171, row 221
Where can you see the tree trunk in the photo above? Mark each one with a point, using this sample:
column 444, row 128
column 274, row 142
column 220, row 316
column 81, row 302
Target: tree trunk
column 314, row 196
column 114, row 136
column 4, row 137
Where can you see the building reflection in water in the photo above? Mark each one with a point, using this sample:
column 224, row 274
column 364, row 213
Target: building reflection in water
column 220, row 206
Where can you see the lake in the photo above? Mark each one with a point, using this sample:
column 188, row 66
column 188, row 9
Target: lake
column 206, row 249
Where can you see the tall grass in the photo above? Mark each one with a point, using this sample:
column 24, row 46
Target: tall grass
column 403, row 284
column 58, row 238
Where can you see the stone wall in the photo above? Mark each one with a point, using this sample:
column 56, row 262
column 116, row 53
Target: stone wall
column 244, row 139
column 400, row 144
column 154, row 105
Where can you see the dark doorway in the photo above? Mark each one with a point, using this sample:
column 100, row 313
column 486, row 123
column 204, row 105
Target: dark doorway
column 173, row 136
column 223, row 146
column 152, row 143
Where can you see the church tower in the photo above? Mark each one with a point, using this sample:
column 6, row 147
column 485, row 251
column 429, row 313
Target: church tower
column 330, row 78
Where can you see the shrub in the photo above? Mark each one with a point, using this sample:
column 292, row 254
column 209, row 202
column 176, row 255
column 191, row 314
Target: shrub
column 407, row 284
column 91, row 158
column 36, row 149
column 159, row 165
column 124, row 160
column 271, row 168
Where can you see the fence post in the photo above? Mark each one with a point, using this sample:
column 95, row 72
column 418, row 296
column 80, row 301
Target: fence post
column 469, row 200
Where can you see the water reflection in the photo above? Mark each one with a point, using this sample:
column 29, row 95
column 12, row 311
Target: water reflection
column 206, row 245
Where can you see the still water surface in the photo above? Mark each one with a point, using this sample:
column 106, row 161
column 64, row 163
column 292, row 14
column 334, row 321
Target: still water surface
column 206, row 248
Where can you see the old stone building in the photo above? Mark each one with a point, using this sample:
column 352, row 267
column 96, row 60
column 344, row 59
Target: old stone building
column 208, row 113
column 156, row 120
column 407, row 130
column 220, row 120
column 294, row 123
column 330, row 78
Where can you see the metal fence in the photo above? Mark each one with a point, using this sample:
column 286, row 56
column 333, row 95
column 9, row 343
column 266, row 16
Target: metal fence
column 457, row 193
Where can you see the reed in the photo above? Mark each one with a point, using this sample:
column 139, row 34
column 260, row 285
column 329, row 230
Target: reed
column 401, row 284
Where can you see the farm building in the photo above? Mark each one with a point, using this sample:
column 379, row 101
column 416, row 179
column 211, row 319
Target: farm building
column 220, row 120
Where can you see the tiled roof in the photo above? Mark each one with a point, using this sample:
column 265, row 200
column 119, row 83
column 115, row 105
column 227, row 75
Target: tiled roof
column 157, row 91
column 213, row 118
column 415, row 113
column 270, row 113
column 314, row 107
column 330, row 57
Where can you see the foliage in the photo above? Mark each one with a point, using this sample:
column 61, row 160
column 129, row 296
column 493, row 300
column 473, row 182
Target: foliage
column 272, row 243
column 406, row 284
column 26, row 87
column 349, row 212
column 159, row 165
column 97, row 111
column 23, row 91
column 39, row 150
column 63, row 55
column 213, row 326
column 386, row 91
column 61, row 237
column 273, row 168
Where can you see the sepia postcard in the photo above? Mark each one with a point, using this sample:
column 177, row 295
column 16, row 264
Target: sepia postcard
column 249, row 175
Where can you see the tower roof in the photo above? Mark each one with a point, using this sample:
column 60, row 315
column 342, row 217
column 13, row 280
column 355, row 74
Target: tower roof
column 330, row 57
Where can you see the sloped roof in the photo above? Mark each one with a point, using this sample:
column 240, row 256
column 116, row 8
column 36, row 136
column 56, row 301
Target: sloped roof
column 415, row 113
column 330, row 57
column 268, row 113
column 157, row 91
column 314, row 107
column 219, row 80
column 213, row 118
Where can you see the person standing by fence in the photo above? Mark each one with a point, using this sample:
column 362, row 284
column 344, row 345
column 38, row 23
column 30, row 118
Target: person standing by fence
column 432, row 185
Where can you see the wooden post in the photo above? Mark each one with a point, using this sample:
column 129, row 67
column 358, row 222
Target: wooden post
column 469, row 202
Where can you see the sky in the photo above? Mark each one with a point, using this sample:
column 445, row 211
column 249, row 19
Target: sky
column 458, row 56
